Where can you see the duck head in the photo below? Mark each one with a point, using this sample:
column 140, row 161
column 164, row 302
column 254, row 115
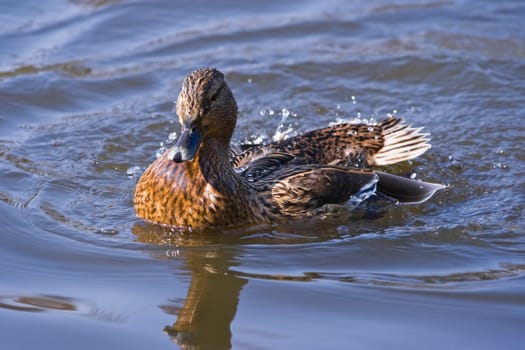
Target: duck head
column 207, row 113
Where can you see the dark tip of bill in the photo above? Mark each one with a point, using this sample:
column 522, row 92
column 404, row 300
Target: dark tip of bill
column 177, row 157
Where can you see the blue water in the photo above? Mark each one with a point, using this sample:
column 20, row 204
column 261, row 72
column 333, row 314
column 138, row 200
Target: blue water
column 86, row 96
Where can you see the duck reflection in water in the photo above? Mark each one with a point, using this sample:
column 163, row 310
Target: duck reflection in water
column 203, row 322
column 209, row 308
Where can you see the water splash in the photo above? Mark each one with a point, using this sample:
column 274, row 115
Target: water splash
column 161, row 150
column 282, row 132
column 164, row 145
column 134, row 172
column 172, row 137
column 355, row 120
column 366, row 192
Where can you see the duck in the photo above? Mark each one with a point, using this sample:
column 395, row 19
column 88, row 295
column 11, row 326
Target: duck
column 203, row 182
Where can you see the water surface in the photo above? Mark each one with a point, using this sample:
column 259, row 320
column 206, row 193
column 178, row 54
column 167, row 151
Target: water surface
column 87, row 91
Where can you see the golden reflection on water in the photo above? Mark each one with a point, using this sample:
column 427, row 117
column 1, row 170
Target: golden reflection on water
column 210, row 305
column 203, row 321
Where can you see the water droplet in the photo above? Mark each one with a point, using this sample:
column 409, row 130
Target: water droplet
column 413, row 176
column 249, row 80
column 172, row 137
column 134, row 171
column 285, row 114
column 160, row 151
column 500, row 166
column 455, row 163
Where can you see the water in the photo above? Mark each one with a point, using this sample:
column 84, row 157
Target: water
column 87, row 91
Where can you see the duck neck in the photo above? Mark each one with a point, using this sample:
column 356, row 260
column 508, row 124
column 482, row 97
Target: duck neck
column 214, row 162
column 215, row 153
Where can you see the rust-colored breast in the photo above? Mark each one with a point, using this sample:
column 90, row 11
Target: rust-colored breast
column 179, row 194
column 162, row 193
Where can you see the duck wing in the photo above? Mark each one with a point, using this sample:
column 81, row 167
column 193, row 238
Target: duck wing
column 263, row 166
column 348, row 145
column 297, row 191
column 327, row 166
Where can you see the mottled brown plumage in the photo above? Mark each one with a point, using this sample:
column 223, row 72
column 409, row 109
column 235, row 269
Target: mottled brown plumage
column 201, row 183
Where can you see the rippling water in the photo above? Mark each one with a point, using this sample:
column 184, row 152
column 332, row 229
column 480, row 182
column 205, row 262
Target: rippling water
column 86, row 96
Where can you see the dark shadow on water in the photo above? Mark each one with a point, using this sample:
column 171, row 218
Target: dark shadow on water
column 39, row 303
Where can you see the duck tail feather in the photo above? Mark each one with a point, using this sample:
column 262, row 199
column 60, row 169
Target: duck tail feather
column 401, row 142
column 406, row 190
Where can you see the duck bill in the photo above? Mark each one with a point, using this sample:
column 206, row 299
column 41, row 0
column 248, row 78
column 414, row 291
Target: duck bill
column 186, row 146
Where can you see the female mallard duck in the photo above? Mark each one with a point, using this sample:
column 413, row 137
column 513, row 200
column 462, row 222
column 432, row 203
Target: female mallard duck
column 201, row 183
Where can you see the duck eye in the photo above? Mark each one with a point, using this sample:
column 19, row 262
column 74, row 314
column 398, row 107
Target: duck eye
column 194, row 129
